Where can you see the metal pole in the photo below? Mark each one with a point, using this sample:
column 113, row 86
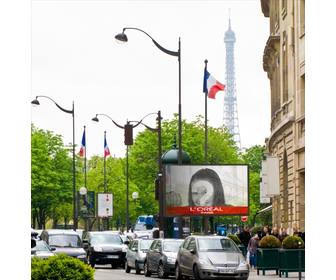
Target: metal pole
column 75, row 219
column 105, row 218
column 85, row 176
column 206, row 122
column 179, row 109
column 127, row 206
column 161, row 194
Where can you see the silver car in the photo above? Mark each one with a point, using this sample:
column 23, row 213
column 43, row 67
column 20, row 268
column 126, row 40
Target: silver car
column 210, row 257
column 136, row 254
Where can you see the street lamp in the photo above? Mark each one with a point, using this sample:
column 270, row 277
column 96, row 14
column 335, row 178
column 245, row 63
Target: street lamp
column 72, row 112
column 128, row 140
column 122, row 38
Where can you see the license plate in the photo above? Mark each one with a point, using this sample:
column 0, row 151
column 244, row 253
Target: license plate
column 226, row 270
column 113, row 257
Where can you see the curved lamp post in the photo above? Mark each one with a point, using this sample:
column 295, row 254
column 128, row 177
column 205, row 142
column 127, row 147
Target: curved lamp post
column 158, row 130
column 72, row 112
column 122, row 38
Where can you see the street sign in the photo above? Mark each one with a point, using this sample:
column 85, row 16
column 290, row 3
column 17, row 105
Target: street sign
column 86, row 204
column 244, row 219
column 105, row 205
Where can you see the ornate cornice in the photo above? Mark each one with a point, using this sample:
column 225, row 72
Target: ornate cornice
column 270, row 51
column 265, row 7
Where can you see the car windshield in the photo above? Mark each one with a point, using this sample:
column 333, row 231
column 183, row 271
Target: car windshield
column 106, row 239
column 172, row 246
column 216, row 244
column 145, row 244
column 139, row 227
column 41, row 246
column 64, row 240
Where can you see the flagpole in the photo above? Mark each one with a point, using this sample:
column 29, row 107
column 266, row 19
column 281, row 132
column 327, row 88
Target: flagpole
column 85, row 177
column 85, row 158
column 206, row 120
column 205, row 218
column 105, row 219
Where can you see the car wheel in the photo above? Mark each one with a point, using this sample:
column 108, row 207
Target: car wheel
column 161, row 272
column 178, row 274
column 127, row 268
column 196, row 273
column 146, row 271
column 137, row 268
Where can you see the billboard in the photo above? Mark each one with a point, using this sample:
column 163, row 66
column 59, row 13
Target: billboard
column 201, row 190
column 270, row 176
column 105, row 205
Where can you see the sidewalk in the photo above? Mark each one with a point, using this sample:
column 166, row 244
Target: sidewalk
column 270, row 275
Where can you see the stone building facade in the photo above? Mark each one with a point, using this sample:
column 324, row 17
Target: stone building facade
column 284, row 62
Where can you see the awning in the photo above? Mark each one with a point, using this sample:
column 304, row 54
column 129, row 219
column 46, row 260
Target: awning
column 266, row 209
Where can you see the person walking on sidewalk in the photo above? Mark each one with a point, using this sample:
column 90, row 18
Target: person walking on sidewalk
column 245, row 236
column 252, row 251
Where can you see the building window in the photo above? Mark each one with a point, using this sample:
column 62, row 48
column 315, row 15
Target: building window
column 285, row 190
column 302, row 95
column 284, row 68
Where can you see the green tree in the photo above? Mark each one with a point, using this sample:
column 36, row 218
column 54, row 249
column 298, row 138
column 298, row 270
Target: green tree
column 51, row 174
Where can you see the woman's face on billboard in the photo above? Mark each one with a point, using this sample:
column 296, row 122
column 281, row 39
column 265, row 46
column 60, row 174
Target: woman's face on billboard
column 202, row 193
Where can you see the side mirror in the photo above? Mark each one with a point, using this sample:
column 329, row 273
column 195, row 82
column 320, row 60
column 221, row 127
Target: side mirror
column 52, row 249
column 126, row 242
column 33, row 243
column 193, row 251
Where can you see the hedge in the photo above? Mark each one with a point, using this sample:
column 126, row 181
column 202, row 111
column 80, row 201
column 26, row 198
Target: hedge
column 60, row 267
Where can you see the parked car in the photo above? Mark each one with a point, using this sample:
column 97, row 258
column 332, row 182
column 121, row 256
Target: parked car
column 104, row 248
column 210, row 257
column 123, row 236
column 161, row 257
column 42, row 250
column 64, row 241
column 136, row 254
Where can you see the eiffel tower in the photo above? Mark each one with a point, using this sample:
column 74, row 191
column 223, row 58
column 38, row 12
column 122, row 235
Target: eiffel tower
column 230, row 112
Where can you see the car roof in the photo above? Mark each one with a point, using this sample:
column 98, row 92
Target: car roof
column 209, row 236
column 61, row 231
column 104, row 232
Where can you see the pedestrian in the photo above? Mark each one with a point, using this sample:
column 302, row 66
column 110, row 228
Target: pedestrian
column 252, row 251
column 283, row 234
column 245, row 236
column 275, row 232
column 264, row 232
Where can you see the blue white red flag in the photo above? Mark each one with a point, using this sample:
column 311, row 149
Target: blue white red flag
column 83, row 147
column 106, row 148
column 210, row 85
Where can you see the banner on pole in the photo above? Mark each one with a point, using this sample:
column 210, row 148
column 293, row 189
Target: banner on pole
column 105, row 205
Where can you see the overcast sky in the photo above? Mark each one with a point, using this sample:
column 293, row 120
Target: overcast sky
column 76, row 58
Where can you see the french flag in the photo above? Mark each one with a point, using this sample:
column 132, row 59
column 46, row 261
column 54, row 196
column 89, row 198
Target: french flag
column 210, row 85
column 82, row 148
column 106, row 148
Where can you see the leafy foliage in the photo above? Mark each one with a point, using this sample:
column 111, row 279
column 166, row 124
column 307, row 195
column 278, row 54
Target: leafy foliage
column 293, row 242
column 51, row 174
column 234, row 238
column 60, row 267
column 269, row 241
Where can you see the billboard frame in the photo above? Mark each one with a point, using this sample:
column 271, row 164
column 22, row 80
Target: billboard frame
column 204, row 215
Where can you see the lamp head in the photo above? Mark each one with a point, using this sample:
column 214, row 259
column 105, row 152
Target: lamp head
column 35, row 102
column 121, row 38
column 95, row 119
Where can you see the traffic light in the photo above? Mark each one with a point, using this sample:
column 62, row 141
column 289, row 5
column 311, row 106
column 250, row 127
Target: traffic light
column 128, row 134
